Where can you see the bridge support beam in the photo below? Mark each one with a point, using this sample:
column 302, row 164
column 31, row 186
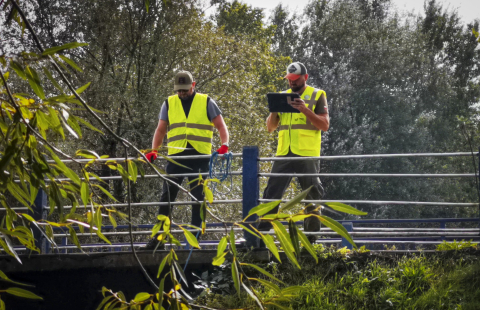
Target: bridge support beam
column 251, row 188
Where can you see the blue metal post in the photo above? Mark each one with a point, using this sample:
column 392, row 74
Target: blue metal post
column 349, row 227
column 443, row 225
column 251, row 187
column 40, row 212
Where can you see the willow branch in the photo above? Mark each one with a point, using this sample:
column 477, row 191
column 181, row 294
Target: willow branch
column 87, row 107
column 129, row 200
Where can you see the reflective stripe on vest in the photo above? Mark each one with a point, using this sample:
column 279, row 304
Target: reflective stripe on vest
column 296, row 132
column 196, row 129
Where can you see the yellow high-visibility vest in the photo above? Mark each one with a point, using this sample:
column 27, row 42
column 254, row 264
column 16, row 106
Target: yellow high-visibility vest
column 197, row 129
column 296, row 132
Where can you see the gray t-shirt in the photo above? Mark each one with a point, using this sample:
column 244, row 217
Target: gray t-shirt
column 212, row 109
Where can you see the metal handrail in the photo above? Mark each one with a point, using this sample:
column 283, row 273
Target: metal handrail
column 84, row 160
column 281, row 158
column 140, row 204
column 374, row 175
column 379, row 202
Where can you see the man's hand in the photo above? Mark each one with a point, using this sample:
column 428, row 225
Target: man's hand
column 223, row 149
column 299, row 104
column 151, row 156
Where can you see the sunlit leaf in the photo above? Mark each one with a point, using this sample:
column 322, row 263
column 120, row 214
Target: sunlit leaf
column 293, row 202
column 222, row 245
column 162, row 264
column 141, row 297
column 219, row 259
column 52, row 80
column 268, row 274
column 87, row 154
column 190, row 238
column 284, row 239
column 112, row 220
column 34, row 82
column 307, row 245
column 247, row 229
column 105, row 191
column 70, row 62
column 208, row 194
column 180, row 272
column 270, row 244
column 264, row 208
column 292, row 231
column 132, row 170
column 236, row 276
column 341, row 207
column 56, row 49
column 160, row 291
column 22, row 293
column 99, row 233
column 336, row 227
column 104, row 301
column 233, row 248
column 268, row 284
column 7, row 246
column 259, row 303
column 85, row 193
column 18, row 69
column 74, row 238
column 90, row 126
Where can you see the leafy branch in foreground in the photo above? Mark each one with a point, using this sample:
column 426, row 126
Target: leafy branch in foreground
column 291, row 242
column 28, row 124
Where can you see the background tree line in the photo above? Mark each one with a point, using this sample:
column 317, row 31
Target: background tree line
column 395, row 84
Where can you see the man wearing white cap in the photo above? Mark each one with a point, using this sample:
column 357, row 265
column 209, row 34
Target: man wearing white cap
column 299, row 135
column 188, row 119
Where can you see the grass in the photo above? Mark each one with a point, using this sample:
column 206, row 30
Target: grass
column 447, row 279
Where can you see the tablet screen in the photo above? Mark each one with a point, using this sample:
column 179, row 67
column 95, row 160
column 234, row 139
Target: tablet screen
column 279, row 102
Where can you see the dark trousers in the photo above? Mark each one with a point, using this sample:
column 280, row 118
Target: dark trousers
column 170, row 191
column 276, row 187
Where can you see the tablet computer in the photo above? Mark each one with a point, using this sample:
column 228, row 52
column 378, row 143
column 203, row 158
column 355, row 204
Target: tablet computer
column 279, row 102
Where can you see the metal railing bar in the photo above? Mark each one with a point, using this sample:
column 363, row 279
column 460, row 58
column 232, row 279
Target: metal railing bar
column 360, row 241
column 460, row 234
column 379, row 202
column 372, row 175
column 143, row 232
column 83, row 160
column 402, row 221
column 139, row 204
column 149, row 176
column 415, row 229
column 370, row 156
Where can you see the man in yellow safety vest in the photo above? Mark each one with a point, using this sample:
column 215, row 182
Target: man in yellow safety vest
column 299, row 135
column 188, row 119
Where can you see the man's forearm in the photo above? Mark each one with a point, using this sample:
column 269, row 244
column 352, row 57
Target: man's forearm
column 219, row 123
column 272, row 121
column 320, row 121
column 224, row 136
column 159, row 135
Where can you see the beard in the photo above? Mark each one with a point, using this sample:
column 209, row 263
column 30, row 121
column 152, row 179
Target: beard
column 297, row 87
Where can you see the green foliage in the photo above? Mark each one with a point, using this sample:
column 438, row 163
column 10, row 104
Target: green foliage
column 456, row 246
column 371, row 281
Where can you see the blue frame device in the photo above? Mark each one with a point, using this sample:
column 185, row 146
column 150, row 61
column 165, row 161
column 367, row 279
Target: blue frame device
column 280, row 102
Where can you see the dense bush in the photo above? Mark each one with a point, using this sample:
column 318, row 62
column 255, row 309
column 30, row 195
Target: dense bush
column 365, row 280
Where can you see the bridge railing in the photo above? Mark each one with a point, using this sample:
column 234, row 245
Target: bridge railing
column 251, row 175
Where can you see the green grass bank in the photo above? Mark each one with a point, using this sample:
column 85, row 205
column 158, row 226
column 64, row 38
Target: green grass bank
column 448, row 278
